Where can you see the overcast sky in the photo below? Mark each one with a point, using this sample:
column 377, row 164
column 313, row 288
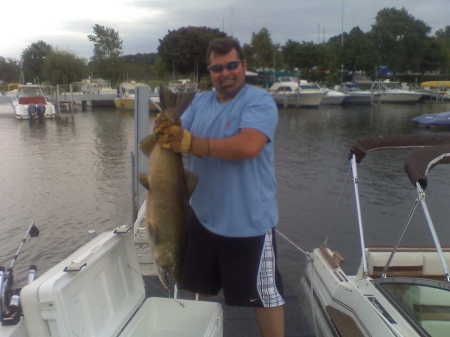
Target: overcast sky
column 66, row 24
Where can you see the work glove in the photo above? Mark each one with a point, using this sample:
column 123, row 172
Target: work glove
column 178, row 139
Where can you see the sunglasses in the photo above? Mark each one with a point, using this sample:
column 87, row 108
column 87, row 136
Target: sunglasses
column 218, row 68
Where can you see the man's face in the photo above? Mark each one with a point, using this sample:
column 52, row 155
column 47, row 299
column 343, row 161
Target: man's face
column 226, row 81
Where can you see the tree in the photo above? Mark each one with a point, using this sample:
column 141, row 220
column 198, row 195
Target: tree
column 107, row 49
column 400, row 38
column 107, row 43
column 359, row 51
column 62, row 67
column 262, row 50
column 9, row 70
column 184, row 50
column 442, row 38
column 33, row 60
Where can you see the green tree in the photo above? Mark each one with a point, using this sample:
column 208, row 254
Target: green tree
column 62, row 67
column 401, row 39
column 442, row 38
column 262, row 50
column 9, row 70
column 107, row 42
column 304, row 55
column 33, row 60
column 107, row 49
column 184, row 50
column 359, row 52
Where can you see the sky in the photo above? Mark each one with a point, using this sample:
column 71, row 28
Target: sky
column 141, row 23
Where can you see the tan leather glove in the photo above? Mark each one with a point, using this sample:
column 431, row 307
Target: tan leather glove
column 177, row 139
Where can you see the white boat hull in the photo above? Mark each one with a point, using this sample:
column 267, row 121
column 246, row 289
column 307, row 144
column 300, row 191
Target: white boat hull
column 333, row 100
column 360, row 98
column 342, row 305
column 22, row 111
column 400, row 97
column 299, row 99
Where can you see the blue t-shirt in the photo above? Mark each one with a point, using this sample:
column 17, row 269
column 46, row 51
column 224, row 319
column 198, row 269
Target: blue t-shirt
column 234, row 198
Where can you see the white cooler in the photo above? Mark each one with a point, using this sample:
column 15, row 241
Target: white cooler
column 98, row 291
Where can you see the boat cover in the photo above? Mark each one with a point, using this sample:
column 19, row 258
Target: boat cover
column 439, row 119
column 394, row 142
column 420, row 162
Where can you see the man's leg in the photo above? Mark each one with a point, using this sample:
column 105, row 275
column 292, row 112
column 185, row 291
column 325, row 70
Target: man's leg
column 270, row 321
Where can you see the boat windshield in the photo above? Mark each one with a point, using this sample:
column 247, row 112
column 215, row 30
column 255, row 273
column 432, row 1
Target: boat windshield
column 424, row 302
column 285, row 88
column 30, row 91
column 309, row 86
column 392, row 85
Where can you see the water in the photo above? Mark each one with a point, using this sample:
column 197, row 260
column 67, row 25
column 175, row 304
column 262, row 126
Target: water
column 73, row 174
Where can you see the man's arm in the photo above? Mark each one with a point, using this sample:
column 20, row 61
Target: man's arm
column 246, row 144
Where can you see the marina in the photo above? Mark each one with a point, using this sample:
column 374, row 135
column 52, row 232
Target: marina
column 71, row 175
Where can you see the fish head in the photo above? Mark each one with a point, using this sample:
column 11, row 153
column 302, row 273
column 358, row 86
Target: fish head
column 166, row 264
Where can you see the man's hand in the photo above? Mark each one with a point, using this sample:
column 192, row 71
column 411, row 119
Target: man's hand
column 162, row 121
column 175, row 138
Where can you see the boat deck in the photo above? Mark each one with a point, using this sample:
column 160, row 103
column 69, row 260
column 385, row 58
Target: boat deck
column 239, row 321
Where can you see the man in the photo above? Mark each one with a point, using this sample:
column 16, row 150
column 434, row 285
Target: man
column 229, row 134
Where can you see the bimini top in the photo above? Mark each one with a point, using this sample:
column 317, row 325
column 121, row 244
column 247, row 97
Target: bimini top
column 436, row 149
column 420, row 162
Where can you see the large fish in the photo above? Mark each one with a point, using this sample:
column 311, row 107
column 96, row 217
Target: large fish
column 169, row 189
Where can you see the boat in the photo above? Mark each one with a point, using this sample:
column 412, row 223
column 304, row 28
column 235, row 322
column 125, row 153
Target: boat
column 297, row 93
column 436, row 90
column 436, row 119
column 393, row 92
column 126, row 93
column 30, row 102
column 358, row 95
column 398, row 290
column 333, row 97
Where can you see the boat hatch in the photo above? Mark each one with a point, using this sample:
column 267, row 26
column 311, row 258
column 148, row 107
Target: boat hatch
column 425, row 303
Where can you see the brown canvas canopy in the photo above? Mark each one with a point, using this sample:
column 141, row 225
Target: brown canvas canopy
column 420, row 162
column 394, row 142
column 436, row 149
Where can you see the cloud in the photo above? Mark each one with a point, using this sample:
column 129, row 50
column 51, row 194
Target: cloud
column 141, row 23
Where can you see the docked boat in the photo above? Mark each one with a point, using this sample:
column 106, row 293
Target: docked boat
column 333, row 97
column 126, row 94
column 398, row 290
column 436, row 119
column 393, row 92
column 30, row 102
column 436, row 90
column 357, row 95
column 297, row 93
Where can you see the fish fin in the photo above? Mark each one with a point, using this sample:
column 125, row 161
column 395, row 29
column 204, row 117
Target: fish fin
column 183, row 102
column 176, row 102
column 148, row 143
column 143, row 179
column 191, row 181
column 167, row 98
column 154, row 234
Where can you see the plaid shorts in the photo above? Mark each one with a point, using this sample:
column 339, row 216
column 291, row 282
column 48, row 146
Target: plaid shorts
column 245, row 268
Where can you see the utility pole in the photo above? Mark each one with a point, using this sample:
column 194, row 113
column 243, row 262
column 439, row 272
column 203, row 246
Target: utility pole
column 342, row 41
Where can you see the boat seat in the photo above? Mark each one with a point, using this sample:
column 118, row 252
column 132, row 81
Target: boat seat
column 407, row 262
column 408, row 265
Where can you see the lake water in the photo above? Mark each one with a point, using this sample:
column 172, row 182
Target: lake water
column 73, row 174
